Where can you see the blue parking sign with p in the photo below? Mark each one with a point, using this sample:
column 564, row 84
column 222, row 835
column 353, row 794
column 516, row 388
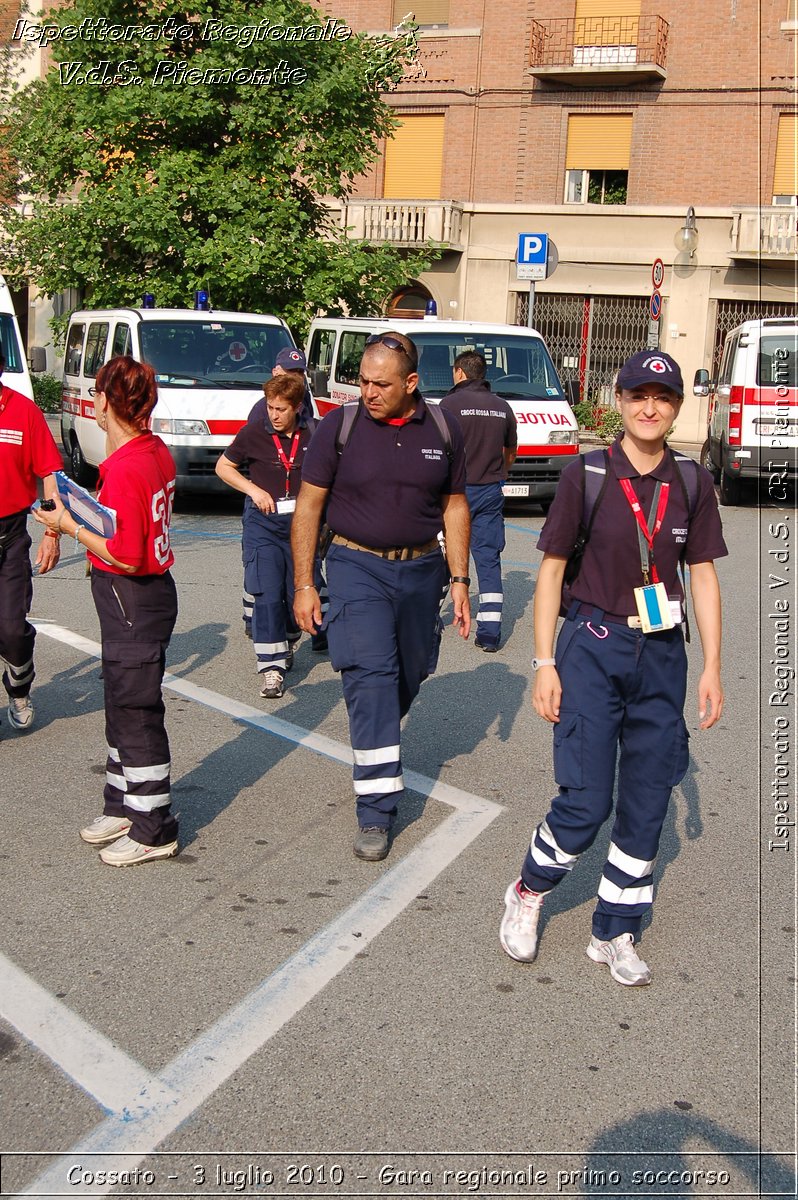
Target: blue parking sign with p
column 532, row 248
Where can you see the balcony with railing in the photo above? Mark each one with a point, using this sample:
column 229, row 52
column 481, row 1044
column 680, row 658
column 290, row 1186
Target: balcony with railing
column 408, row 223
column 599, row 51
column 767, row 234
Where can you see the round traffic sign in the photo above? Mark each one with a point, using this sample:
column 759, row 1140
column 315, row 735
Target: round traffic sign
column 655, row 306
column 658, row 272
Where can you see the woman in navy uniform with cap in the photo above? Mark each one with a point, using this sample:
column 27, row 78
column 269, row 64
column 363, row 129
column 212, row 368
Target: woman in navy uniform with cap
column 611, row 684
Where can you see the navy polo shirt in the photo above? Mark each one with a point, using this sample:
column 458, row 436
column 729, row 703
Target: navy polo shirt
column 488, row 424
column 611, row 565
column 254, row 445
column 386, row 487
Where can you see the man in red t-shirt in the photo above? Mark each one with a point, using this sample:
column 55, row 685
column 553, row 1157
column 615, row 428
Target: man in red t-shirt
column 27, row 453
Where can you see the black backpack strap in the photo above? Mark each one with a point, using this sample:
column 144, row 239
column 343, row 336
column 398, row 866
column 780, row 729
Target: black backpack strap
column 349, row 414
column 595, row 468
column 439, row 419
column 687, row 473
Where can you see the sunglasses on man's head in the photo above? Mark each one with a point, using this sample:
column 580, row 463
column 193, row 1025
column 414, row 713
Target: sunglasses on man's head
column 385, row 339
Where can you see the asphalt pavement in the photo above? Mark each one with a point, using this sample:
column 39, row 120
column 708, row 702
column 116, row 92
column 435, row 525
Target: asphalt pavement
column 267, row 1015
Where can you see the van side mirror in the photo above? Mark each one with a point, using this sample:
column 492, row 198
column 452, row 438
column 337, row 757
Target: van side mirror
column 319, row 383
column 37, row 359
column 572, row 391
column 701, row 383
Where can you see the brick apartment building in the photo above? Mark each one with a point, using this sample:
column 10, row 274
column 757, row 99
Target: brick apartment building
column 599, row 123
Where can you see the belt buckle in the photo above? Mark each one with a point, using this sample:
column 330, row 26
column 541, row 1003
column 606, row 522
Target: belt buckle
column 634, row 622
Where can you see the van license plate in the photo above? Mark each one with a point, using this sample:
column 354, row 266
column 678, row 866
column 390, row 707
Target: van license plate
column 515, row 489
column 790, row 430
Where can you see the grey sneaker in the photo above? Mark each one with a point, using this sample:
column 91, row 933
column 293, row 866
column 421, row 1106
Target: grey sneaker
column 127, row 853
column 20, row 712
column 518, row 932
column 272, row 685
column 371, row 844
column 620, row 955
column 104, row 829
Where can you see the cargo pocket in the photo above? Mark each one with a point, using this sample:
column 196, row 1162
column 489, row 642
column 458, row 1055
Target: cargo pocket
column 681, row 754
column 132, row 673
column 337, row 625
column 568, row 750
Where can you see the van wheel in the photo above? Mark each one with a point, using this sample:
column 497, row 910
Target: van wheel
column 79, row 469
column 708, row 463
column 729, row 490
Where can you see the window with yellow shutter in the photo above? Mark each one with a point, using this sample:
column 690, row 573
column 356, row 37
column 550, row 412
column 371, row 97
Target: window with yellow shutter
column 426, row 12
column 414, row 159
column 597, row 158
column 606, row 31
column 785, row 173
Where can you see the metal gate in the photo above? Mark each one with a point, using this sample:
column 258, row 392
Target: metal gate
column 588, row 336
column 732, row 313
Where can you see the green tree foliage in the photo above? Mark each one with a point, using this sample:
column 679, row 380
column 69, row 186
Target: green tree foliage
column 194, row 152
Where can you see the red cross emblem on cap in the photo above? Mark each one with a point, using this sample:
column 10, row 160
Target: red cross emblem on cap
column 295, row 355
column 657, row 365
column 237, row 351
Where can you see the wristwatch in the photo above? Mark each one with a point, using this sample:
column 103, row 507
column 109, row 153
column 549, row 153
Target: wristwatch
column 466, row 579
column 543, row 662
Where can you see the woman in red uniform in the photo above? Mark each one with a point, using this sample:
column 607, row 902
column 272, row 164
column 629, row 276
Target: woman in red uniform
column 136, row 602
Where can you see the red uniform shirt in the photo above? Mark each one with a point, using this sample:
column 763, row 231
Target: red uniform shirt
column 27, row 451
column 138, row 482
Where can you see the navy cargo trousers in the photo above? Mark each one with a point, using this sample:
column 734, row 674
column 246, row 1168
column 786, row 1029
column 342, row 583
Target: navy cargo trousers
column 622, row 702
column 137, row 615
column 383, row 628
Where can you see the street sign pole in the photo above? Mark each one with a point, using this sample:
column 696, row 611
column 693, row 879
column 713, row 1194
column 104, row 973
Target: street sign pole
column 531, row 309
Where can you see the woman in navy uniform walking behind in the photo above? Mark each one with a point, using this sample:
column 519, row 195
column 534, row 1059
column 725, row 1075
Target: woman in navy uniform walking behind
column 136, row 602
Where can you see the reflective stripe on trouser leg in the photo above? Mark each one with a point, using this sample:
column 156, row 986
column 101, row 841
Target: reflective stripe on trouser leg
column 584, row 747
column 133, row 657
column 139, row 788
column 381, row 627
column 654, row 757
column 487, row 542
column 267, row 573
column 17, row 635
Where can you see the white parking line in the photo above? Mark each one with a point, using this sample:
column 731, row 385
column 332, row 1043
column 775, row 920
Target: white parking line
column 134, row 1131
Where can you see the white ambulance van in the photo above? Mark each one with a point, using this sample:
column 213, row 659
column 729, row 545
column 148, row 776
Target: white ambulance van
column 210, row 367
column 519, row 368
column 753, row 408
column 15, row 372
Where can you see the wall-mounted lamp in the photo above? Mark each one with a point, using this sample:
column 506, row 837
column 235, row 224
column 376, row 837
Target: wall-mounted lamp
column 687, row 237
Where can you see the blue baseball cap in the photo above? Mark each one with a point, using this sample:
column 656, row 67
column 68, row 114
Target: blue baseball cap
column 651, row 366
column 290, row 359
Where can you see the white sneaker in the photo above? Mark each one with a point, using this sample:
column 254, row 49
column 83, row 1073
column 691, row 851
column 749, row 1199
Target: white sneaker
column 20, row 712
column 104, row 829
column 518, row 932
column 126, row 853
column 272, row 685
column 620, row 955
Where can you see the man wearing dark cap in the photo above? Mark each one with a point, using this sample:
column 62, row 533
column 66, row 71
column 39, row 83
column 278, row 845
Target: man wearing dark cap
column 385, row 495
column 615, row 688
column 491, row 442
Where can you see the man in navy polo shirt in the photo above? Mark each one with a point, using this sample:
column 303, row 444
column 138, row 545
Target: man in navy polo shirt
column 491, row 442
column 387, row 495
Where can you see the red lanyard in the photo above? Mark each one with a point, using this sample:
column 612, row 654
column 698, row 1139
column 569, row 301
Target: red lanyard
column 648, row 534
column 287, row 462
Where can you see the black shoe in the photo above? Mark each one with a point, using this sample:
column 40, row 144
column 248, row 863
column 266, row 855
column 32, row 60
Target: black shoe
column 318, row 643
column 248, row 629
column 488, row 647
column 371, row 844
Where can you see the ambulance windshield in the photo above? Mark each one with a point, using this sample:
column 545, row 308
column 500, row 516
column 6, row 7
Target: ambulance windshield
column 10, row 344
column 212, row 353
column 518, row 365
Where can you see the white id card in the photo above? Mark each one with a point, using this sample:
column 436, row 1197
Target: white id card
column 287, row 505
column 653, row 607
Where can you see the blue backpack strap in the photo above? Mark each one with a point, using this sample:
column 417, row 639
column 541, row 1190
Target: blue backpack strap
column 687, row 474
column 595, row 465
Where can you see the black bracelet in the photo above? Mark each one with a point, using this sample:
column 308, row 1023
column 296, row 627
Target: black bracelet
column 461, row 579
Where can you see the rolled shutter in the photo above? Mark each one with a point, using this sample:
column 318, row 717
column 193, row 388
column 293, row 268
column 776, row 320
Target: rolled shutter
column 414, row 159
column 598, row 143
column 785, row 176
